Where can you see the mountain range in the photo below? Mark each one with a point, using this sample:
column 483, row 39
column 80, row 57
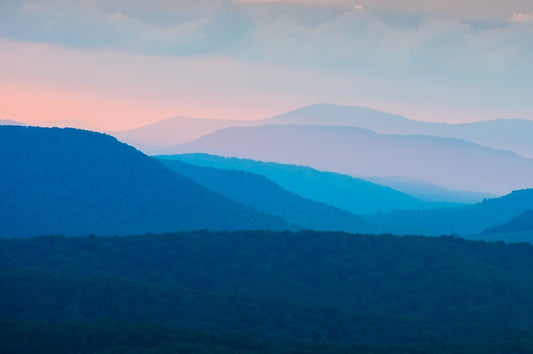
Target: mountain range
column 446, row 162
column 355, row 195
column 518, row 229
column 523, row 222
column 432, row 219
column 466, row 221
column 75, row 182
column 503, row 134
column 430, row 192
column 263, row 195
column 154, row 138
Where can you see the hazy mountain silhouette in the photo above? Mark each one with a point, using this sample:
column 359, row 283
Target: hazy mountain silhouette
column 10, row 122
column 505, row 134
column 352, row 194
column 66, row 123
column 465, row 221
column 446, row 162
column 429, row 192
column 69, row 123
column 523, row 222
column 266, row 196
column 152, row 138
column 75, row 182
column 332, row 114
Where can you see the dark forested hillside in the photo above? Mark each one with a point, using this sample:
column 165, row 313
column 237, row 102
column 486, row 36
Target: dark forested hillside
column 75, row 182
column 419, row 294
column 264, row 195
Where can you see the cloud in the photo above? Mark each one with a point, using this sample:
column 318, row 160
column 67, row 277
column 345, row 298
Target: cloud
column 349, row 37
column 366, row 41
column 160, row 27
column 464, row 9
column 336, row 3
column 521, row 17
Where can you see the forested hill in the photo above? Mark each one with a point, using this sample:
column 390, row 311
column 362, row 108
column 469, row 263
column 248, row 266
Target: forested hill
column 465, row 221
column 76, row 182
column 421, row 294
column 352, row 194
column 523, row 222
column 264, row 195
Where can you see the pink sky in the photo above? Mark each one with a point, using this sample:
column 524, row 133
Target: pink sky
column 116, row 90
column 78, row 61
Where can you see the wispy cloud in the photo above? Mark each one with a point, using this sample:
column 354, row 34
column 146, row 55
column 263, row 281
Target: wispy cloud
column 522, row 17
column 464, row 9
column 349, row 38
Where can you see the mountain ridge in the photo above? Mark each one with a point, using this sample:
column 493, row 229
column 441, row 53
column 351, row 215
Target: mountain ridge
column 493, row 133
column 358, row 152
column 466, row 221
column 264, row 195
column 355, row 195
column 154, row 137
column 522, row 222
column 77, row 182
column 10, row 122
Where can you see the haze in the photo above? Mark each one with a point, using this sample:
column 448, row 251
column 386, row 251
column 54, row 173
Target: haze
column 122, row 64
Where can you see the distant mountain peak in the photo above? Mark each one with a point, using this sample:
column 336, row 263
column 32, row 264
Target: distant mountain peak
column 10, row 122
column 327, row 113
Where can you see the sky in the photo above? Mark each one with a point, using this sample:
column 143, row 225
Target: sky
column 118, row 64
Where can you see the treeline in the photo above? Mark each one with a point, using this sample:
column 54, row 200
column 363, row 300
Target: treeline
column 411, row 294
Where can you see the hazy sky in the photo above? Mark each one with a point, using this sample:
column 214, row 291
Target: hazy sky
column 123, row 63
